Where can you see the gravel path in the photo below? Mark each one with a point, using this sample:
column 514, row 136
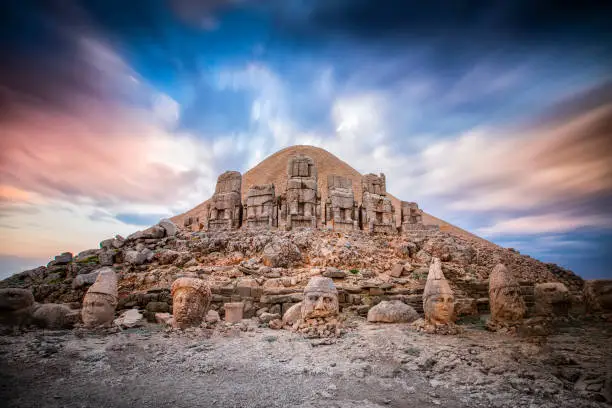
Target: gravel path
column 371, row 366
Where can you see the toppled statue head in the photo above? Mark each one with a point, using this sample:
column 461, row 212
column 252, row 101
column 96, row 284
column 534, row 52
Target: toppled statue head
column 438, row 298
column 100, row 300
column 190, row 301
column 507, row 304
column 320, row 298
column 12, row 299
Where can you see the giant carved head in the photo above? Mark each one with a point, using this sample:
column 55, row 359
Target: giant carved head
column 190, row 301
column 505, row 299
column 320, row 298
column 438, row 298
column 100, row 300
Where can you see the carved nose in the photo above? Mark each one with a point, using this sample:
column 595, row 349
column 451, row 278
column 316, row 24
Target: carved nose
column 319, row 304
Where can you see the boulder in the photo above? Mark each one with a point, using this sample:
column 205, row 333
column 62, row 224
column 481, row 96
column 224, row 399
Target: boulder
column 169, row 227
column 63, row 259
column 54, row 316
column 135, row 257
column 281, row 252
column 86, row 255
column 551, row 299
column 268, row 317
column 129, row 318
column 167, row 256
column 163, row 318
column 118, row 242
column 334, row 273
column 212, row 317
column 293, row 314
column 88, row 278
column 106, row 257
column 393, row 311
column 155, row 307
column 106, row 244
column 397, row 270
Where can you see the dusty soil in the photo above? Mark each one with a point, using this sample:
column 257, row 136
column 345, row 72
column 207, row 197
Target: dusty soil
column 373, row 365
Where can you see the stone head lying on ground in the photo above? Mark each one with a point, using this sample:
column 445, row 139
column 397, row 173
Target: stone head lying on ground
column 438, row 298
column 505, row 299
column 190, row 299
column 320, row 298
column 100, row 300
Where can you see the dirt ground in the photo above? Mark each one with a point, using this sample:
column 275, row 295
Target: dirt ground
column 373, row 365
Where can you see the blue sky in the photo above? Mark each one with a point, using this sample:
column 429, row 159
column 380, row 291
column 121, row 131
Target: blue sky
column 494, row 116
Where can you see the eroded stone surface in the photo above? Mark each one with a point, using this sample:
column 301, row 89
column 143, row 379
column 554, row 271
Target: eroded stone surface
column 551, row 299
column 225, row 209
column 300, row 206
column 377, row 211
column 438, row 302
column 261, row 208
column 341, row 210
column 392, row 312
column 190, row 301
column 505, row 300
column 100, row 300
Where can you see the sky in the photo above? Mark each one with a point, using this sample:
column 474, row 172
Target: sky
column 495, row 116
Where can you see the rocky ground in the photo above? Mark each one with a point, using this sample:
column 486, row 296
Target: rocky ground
column 244, row 365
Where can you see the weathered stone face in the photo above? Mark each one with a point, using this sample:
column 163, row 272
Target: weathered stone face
column 190, row 301
column 98, row 309
column 438, row 298
column 100, row 300
column 225, row 209
column 505, row 299
column 12, row 299
column 320, row 299
column 439, row 309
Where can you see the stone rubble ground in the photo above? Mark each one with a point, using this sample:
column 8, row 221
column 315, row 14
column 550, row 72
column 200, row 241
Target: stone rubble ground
column 246, row 365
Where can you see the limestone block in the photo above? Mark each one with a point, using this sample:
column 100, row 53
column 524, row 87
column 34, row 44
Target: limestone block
column 63, row 258
column 233, row 312
column 129, row 318
column 293, row 314
column 397, row 270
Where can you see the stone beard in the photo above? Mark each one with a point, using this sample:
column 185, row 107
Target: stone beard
column 507, row 304
column 190, row 301
column 320, row 299
column 440, row 308
column 98, row 309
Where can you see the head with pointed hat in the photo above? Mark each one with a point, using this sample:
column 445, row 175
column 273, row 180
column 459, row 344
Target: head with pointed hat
column 505, row 299
column 438, row 299
column 190, row 301
column 100, row 300
column 320, row 298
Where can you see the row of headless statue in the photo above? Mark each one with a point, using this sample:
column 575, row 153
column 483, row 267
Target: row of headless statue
column 191, row 299
column 300, row 204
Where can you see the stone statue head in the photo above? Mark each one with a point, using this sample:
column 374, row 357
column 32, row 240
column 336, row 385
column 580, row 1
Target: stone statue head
column 438, row 298
column 190, row 301
column 12, row 299
column 100, row 300
column 320, row 298
column 505, row 299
